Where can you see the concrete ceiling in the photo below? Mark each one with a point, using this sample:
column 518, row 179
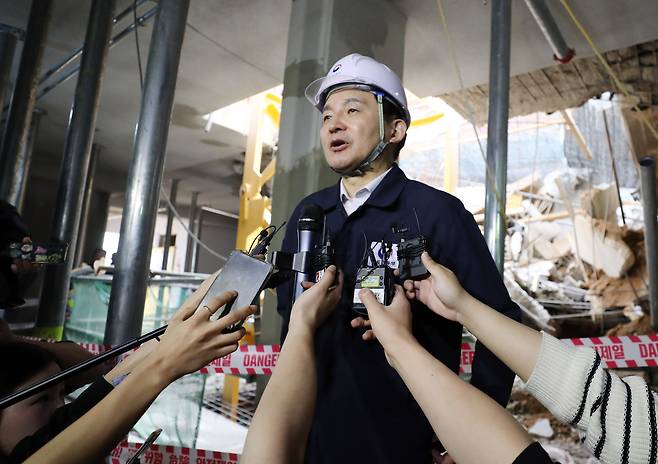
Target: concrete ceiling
column 236, row 48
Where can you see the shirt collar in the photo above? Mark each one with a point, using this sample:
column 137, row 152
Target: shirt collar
column 367, row 189
column 385, row 194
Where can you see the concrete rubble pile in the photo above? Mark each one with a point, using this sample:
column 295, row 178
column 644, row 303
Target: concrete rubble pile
column 571, row 255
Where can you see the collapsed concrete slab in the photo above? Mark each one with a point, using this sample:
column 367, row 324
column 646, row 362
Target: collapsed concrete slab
column 601, row 247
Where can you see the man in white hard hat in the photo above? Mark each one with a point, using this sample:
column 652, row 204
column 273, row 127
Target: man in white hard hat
column 364, row 413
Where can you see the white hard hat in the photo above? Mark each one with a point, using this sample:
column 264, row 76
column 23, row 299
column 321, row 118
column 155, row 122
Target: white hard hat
column 361, row 71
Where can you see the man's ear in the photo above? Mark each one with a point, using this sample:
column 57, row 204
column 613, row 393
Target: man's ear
column 398, row 132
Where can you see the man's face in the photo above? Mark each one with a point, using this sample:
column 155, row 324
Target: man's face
column 22, row 419
column 350, row 128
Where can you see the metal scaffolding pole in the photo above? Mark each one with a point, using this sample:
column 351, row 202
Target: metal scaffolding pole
column 7, row 48
column 22, row 101
column 499, row 62
column 78, row 51
column 648, row 178
column 195, row 249
column 75, row 165
column 170, row 222
column 190, row 225
column 124, row 320
column 115, row 40
column 23, row 162
column 546, row 22
column 96, row 150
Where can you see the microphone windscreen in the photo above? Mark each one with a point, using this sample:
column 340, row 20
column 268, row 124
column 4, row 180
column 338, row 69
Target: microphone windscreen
column 311, row 217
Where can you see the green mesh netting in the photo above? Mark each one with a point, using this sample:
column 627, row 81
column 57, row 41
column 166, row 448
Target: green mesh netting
column 178, row 409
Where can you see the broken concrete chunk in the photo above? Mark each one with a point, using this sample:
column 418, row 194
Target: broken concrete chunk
column 601, row 202
column 603, row 250
column 542, row 428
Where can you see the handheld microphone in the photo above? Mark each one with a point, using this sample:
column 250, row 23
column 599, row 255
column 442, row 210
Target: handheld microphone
column 309, row 229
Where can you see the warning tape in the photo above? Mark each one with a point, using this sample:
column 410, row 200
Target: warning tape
column 621, row 352
column 164, row 454
column 616, row 352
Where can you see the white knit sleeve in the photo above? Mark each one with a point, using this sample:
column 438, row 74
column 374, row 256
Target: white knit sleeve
column 618, row 416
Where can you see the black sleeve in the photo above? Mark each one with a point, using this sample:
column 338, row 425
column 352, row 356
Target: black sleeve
column 62, row 418
column 284, row 292
column 469, row 258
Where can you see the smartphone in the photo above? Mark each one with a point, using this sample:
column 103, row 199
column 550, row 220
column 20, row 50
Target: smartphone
column 243, row 273
column 144, row 448
column 40, row 253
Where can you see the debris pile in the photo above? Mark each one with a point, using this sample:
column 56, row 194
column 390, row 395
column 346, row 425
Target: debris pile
column 575, row 255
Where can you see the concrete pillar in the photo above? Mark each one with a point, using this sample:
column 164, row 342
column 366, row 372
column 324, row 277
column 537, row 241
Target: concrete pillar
column 320, row 33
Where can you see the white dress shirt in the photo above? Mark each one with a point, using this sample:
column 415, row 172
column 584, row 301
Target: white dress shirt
column 351, row 204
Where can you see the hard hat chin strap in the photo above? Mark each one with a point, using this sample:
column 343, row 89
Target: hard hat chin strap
column 374, row 154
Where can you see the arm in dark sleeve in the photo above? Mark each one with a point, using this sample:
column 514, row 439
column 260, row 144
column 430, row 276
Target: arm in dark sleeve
column 62, row 418
column 469, row 258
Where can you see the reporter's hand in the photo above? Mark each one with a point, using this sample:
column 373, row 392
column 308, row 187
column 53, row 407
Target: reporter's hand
column 314, row 305
column 192, row 340
column 441, row 291
column 390, row 324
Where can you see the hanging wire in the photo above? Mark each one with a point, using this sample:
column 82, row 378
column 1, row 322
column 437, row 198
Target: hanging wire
column 192, row 234
column 139, row 56
column 471, row 112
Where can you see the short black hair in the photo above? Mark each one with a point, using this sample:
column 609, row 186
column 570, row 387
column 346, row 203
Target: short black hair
column 20, row 362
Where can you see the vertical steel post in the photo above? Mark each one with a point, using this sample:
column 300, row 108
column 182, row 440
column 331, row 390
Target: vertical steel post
column 648, row 178
column 126, row 310
column 24, row 96
column 196, row 247
column 23, row 162
column 7, row 49
column 96, row 150
column 75, row 165
column 190, row 225
column 499, row 62
column 170, row 221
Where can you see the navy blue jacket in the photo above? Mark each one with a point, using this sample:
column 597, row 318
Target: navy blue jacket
column 364, row 412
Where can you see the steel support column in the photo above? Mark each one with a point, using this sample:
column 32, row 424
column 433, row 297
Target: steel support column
column 546, row 22
column 126, row 310
column 7, row 48
column 648, row 178
column 96, row 150
column 197, row 231
column 190, row 225
column 23, row 161
column 499, row 59
column 23, row 98
column 75, row 165
column 170, row 222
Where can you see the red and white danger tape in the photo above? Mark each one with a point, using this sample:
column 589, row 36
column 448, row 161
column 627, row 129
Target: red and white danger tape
column 161, row 454
column 620, row 352
column 616, row 352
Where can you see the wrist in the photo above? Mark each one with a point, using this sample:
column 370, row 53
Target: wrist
column 398, row 347
column 156, row 368
column 466, row 309
column 301, row 330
